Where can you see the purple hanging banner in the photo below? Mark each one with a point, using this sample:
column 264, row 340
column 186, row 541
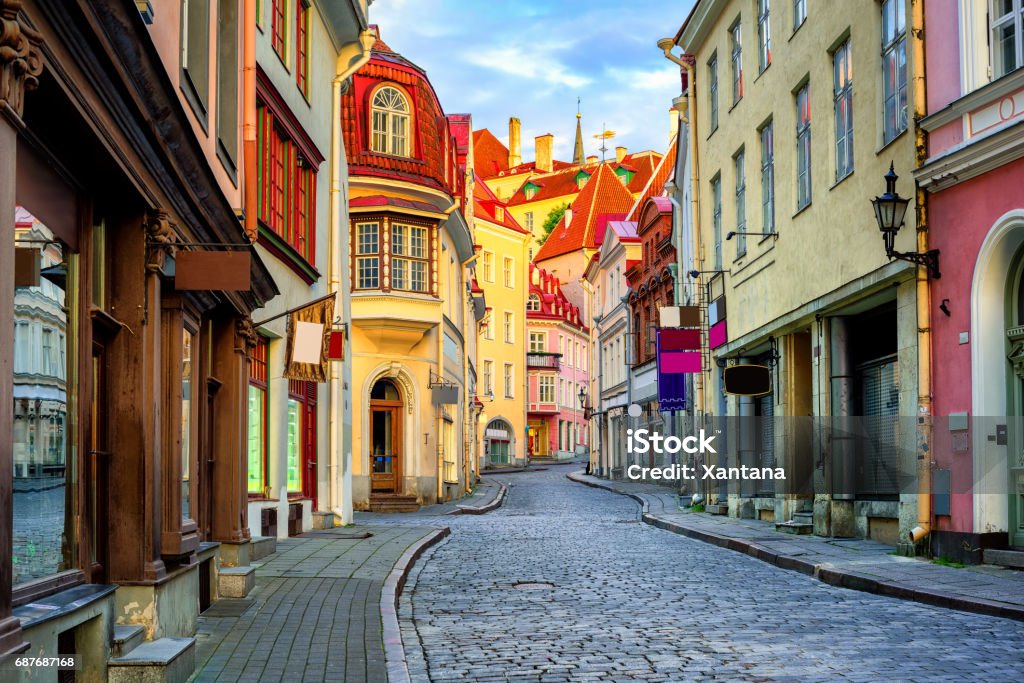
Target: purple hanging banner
column 674, row 367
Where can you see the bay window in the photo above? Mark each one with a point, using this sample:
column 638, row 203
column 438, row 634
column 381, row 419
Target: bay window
column 286, row 188
column 409, row 265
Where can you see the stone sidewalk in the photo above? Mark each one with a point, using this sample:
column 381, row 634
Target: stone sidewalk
column 858, row 564
column 322, row 609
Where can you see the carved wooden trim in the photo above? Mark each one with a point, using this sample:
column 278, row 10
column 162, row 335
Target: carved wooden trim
column 21, row 62
column 160, row 238
column 246, row 336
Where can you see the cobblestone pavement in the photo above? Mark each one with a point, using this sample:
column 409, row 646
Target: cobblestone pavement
column 314, row 614
column 630, row 602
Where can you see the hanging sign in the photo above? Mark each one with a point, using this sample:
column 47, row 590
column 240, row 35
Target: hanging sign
column 308, row 348
column 218, row 271
column 26, row 267
column 748, row 380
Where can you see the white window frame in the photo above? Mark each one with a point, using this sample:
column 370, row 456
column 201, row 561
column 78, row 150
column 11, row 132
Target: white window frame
column 767, row 134
column 804, row 188
column 508, row 271
column 764, row 35
column 713, row 92
column 894, row 92
column 510, row 380
column 538, row 342
column 390, row 122
column 736, row 60
column 508, row 326
column 740, row 168
column 842, row 102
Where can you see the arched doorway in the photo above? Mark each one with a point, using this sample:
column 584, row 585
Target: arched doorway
column 385, row 437
column 997, row 379
column 499, row 442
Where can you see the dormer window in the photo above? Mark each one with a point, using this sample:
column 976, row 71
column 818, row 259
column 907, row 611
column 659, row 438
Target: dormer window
column 581, row 179
column 625, row 175
column 390, row 122
column 534, row 303
column 499, row 213
column 530, row 190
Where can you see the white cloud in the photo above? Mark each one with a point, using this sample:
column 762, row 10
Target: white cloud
column 534, row 63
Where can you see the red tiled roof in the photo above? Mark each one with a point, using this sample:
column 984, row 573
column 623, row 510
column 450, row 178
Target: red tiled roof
column 380, row 200
column 655, row 185
column 554, row 304
column 433, row 145
column 490, row 156
column 486, row 205
column 555, row 184
column 603, row 194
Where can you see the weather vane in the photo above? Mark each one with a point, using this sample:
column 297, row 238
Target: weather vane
column 604, row 138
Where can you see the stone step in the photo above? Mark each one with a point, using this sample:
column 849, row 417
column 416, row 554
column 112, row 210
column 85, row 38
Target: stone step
column 1004, row 558
column 236, row 582
column 166, row 660
column 803, row 518
column 393, row 502
column 262, row 546
column 717, row 509
column 127, row 637
column 794, row 527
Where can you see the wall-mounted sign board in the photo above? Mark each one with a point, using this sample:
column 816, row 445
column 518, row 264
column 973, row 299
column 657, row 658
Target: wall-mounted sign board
column 218, row 271
column 748, row 380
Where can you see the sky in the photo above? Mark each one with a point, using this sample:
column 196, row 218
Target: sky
column 533, row 58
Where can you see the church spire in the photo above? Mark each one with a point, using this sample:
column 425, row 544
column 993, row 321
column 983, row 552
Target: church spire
column 577, row 156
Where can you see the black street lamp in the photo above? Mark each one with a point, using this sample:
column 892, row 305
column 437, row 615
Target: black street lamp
column 890, row 209
column 583, row 403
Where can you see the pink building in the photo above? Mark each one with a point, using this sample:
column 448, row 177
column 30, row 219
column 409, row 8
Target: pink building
column 975, row 211
column 558, row 364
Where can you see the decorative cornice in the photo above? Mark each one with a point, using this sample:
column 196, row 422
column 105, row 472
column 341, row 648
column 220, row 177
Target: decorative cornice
column 975, row 157
column 20, row 59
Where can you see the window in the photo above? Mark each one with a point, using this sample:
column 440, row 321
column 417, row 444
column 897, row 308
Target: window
column 47, row 353
column 583, row 360
column 278, row 26
column 843, row 94
column 489, row 327
column 561, row 345
column 528, row 218
column 546, row 389
column 488, row 377
column 367, row 241
column 799, row 13
column 538, row 342
column 508, row 271
column 1007, row 23
column 509, row 381
column 534, row 303
column 301, row 432
column 227, row 79
column 803, row 147
column 764, row 35
column 390, row 125
column 195, row 53
column 741, row 203
column 286, row 187
column 561, row 391
column 302, row 46
column 509, row 328
column 713, row 92
column 257, row 433
column 768, row 178
column 894, row 67
column 716, row 220
column 488, row 260
column 409, row 265
column 736, row 57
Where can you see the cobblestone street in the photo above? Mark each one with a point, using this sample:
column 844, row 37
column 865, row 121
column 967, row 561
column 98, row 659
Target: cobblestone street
column 631, row 602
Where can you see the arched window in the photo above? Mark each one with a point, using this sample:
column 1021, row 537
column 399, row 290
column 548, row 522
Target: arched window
column 390, row 122
column 534, row 303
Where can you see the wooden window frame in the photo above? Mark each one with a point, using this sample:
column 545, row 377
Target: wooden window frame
column 258, row 378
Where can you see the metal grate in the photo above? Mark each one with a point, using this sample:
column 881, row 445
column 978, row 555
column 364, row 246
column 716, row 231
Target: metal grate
column 877, row 467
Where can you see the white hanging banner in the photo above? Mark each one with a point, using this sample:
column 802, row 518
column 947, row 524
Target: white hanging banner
column 308, row 342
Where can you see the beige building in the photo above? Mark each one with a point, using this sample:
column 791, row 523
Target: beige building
column 503, row 276
column 788, row 152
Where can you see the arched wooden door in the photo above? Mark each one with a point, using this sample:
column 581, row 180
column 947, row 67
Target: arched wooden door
column 385, row 438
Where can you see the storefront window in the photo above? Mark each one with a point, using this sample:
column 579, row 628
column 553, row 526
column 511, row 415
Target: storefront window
column 188, row 340
column 294, row 444
column 44, row 388
column 257, row 423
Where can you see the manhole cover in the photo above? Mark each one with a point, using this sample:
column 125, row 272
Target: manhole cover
column 534, row 586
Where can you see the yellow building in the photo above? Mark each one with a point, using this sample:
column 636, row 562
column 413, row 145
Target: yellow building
column 502, row 273
column 791, row 253
column 412, row 385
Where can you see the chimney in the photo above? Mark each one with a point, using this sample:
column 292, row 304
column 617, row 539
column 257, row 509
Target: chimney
column 568, row 216
column 673, row 123
column 542, row 155
column 514, row 156
column 620, row 154
column 592, row 159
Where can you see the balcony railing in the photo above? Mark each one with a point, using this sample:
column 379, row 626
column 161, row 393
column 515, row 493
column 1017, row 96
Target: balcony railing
column 543, row 361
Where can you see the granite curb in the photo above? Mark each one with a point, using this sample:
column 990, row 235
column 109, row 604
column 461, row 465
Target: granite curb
column 394, row 651
column 824, row 572
column 499, row 499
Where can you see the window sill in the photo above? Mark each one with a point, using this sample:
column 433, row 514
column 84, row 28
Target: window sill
column 887, row 144
column 762, row 72
column 802, row 209
column 840, row 181
column 713, row 130
column 287, row 254
column 227, row 162
column 797, row 29
column 768, row 236
column 734, row 105
column 195, row 102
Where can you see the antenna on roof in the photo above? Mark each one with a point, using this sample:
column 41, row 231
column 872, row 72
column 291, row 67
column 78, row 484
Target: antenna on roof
column 604, row 138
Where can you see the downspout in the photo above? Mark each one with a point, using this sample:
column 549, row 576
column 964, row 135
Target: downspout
column 351, row 58
column 688, row 62
column 467, row 421
column 924, row 323
column 249, row 179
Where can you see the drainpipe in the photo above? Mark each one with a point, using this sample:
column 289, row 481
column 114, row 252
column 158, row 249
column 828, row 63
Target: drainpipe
column 249, row 151
column 351, row 58
column 924, row 323
column 688, row 62
column 467, row 421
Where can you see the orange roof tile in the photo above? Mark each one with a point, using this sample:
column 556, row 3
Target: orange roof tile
column 603, row 194
column 486, row 205
column 490, row 156
column 655, row 184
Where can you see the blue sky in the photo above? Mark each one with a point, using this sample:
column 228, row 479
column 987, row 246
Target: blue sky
column 533, row 58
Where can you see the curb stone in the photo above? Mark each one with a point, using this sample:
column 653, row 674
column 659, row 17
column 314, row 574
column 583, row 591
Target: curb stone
column 823, row 572
column 482, row 509
column 394, row 652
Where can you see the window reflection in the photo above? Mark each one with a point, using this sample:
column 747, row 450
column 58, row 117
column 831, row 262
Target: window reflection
column 186, row 421
column 43, row 472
